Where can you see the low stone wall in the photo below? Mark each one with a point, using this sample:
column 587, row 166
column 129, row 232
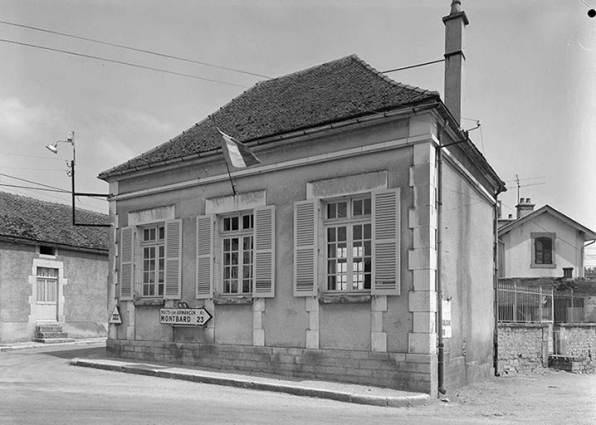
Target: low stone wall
column 408, row 372
column 577, row 340
column 523, row 347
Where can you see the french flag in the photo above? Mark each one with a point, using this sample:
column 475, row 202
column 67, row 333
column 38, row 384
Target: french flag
column 238, row 154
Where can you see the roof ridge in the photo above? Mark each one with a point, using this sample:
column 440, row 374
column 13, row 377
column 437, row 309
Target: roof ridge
column 390, row 80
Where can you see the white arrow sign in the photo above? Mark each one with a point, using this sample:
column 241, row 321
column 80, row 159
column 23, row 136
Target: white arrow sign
column 184, row 316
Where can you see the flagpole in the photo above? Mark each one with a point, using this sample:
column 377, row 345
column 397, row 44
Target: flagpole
column 225, row 160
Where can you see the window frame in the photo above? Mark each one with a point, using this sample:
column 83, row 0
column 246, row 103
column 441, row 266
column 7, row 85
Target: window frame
column 535, row 238
column 47, row 281
column 158, row 244
column 241, row 233
column 349, row 222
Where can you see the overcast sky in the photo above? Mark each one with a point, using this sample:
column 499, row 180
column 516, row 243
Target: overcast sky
column 529, row 79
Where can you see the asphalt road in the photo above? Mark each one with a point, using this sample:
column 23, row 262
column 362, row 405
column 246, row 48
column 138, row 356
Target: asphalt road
column 38, row 386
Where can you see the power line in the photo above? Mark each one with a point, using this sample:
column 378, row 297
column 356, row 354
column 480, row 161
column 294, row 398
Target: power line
column 34, row 188
column 30, row 156
column 413, row 66
column 36, row 46
column 32, row 182
column 164, row 55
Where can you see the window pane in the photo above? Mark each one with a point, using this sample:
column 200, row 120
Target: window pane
column 227, row 224
column 342, row 209
column 331, row 234
column 357, row 232
column 162, row 233
column 342, row 250
column 247, row 221
column 331, row 250
column 342, row 233
column 331, row 210
column 331, row 267
column 146, row 235
column 367, row 231
column 367, row 209
column 234, row 223
column 357, row 207
column 331, row 283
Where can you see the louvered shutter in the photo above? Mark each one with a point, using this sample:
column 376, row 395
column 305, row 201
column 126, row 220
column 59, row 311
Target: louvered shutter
column 126, row 263
column 264, row 252
column 386, row 243
column 305, row 248
column 204, row 257
column 173, row 260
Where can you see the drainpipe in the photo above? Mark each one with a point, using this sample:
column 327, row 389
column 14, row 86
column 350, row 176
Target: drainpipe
column 496, row 286
column 439, row 285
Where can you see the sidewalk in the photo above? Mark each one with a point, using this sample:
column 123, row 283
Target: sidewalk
column 14, row 346
column 350, row 393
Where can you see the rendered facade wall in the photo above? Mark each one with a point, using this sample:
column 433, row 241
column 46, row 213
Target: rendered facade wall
column 467, row 278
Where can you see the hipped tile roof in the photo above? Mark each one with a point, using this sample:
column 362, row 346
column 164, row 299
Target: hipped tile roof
column 335, row 91
column 33, row 221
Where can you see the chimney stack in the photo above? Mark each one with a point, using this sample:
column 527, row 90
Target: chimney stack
column 454, row 59
column 524, row 207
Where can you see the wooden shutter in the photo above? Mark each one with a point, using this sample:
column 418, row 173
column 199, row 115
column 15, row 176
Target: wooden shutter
column 204, row 257
column 386, row 230
column 173, row 259
column 264, row 252
column 126, row 274
column 305, row 248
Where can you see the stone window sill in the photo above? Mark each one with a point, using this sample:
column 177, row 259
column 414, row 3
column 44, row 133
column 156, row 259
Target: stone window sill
column 233, row 301
column 149, row 302
column 345, row 299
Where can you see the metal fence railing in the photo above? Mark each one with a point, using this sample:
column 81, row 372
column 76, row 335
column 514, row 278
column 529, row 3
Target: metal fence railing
column 520, row 304
column 524, row 304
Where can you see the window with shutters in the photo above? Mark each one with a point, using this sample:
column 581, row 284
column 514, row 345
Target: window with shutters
column 153, row 251
column 348, row 244
column 236, row 255
column 150, row 260
column 348, row 229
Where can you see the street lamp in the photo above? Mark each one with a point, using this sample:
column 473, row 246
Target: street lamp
column 54, row 149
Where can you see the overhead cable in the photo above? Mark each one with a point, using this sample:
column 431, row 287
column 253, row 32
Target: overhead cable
column 149, row 52
column 120, row 62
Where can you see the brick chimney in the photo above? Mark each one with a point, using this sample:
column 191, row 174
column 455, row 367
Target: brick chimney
column 454, row 58
column 524, row 207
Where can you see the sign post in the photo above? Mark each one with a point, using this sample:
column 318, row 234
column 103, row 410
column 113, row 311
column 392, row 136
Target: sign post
column 184, row 316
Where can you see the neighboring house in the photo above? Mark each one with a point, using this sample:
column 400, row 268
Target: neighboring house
column 53, row 275
column 542, row 243
column 361, row 249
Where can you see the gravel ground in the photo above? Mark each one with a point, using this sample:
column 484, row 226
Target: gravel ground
column 546, row 397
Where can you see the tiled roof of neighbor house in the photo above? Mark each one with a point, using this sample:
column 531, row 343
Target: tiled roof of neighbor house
column 335, row 91
column 33, row 221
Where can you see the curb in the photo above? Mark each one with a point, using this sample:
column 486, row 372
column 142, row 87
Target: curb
column 197, row 376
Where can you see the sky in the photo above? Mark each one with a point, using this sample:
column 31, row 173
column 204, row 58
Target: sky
column 529, row 80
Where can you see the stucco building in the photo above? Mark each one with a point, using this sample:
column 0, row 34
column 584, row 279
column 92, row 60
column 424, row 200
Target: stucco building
column 53, row 275
column 360, row 249
column 542, row 243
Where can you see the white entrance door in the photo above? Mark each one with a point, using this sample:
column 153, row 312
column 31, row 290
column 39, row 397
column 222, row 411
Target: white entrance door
column 47, row 294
